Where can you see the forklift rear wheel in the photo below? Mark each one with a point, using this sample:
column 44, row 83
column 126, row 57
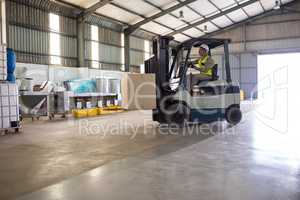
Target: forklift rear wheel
column 178, row 114
column 233, row 115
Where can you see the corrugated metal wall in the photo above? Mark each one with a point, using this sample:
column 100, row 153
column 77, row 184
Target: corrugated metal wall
column 29, row 33
column 138, row 52
column 243, row 70
column 110, row 48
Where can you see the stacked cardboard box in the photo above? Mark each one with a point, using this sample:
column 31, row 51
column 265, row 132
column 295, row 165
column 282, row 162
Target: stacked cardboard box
column 9, row 105
column 138, row 91
column 3, row 62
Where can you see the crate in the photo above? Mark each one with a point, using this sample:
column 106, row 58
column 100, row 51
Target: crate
column 113, row 107
column 104, row 111
column 9, row 106
column 92, row 112
column 79, row 113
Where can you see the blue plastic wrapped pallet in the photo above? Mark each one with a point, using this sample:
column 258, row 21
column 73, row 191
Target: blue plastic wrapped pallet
column 11, row 78
column 11, row 65
column 11, row 61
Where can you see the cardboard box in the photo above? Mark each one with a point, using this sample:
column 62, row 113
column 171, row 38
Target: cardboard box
column 138, row 91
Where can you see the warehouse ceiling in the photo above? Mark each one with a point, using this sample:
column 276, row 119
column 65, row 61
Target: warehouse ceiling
column 183, row 19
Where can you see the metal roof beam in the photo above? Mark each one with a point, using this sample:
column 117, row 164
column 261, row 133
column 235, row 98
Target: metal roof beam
column 238, row 3
column 242, row 5
column 220, row 10
column 159, row 8
column 249, row 20
column 142, row 16
column 90, row 10
column 198, row 13
column 133, row 27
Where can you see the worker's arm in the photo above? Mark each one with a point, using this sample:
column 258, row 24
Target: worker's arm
column 194, row 62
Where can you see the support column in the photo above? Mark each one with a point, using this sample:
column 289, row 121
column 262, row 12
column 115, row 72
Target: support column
column 80, row 43
column 3, row 22
column 127, row 51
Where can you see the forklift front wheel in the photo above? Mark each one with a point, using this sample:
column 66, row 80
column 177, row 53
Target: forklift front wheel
column 233, row 115
column 178, row 114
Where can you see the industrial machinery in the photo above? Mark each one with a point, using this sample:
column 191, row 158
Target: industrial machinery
column 181, row 97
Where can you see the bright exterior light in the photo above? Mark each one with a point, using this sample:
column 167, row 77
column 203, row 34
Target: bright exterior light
column 95, row 46
column 181, row 16
column 55, row 51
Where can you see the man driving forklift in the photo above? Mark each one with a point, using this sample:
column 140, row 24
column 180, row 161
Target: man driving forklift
column 204, row 64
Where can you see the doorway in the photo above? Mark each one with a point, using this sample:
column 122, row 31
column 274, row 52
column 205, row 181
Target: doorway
column 278, row 91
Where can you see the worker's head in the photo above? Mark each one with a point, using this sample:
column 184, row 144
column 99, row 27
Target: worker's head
column 203, row 50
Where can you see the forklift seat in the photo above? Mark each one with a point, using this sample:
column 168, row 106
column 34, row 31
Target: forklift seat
column 215, row 76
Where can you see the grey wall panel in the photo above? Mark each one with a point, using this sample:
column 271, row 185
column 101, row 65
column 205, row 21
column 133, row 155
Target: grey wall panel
column 110, row 37
column 218, row 59
column 137, row 52
column 243, row 70
column 274, row 46
column 26, row 15
column 68, row 25
column 106, row 36
column 110, row 48
column 28, row 40
column 235, row 34
column 137, row 43
column 234, row 60
column 136, row 58
column 235, row 75
column 249, row 75
column 110, row 54
column 68, row 46
column 276, row 30
column 249, row 60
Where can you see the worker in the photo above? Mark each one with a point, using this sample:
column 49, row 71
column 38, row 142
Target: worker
column 204, row 64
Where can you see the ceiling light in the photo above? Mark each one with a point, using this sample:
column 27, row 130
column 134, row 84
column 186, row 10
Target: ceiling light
column 277, row 5
column 181, row 16
column 205, row 29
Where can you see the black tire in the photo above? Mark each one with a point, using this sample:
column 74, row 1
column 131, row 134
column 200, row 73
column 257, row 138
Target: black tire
column 177, row 113
column 233, row 115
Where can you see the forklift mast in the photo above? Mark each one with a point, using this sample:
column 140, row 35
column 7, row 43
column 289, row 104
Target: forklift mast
column 159, row 64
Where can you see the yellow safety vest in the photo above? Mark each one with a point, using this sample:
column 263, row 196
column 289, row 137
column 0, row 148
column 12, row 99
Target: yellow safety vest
column 201, row 66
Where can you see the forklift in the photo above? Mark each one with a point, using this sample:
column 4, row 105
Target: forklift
column 180, row 97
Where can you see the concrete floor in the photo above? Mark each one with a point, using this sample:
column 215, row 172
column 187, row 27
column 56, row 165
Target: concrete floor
column 250, row 161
